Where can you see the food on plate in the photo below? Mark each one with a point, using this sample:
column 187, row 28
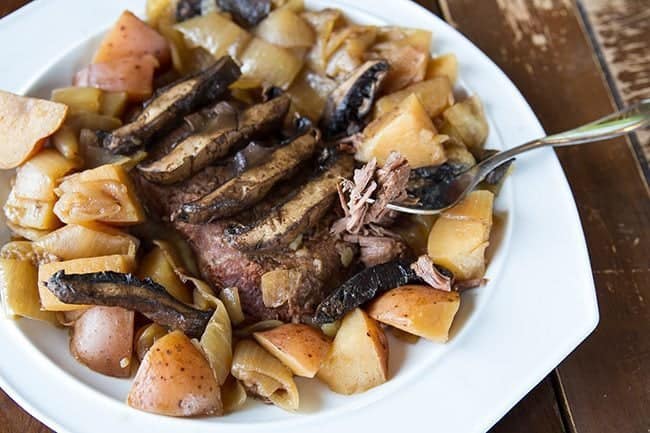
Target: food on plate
column 418, row 310
column 300, row 347
column 358, row 359
column 175, row 379
column 25, row 124
column 102, row 339
column 209, row 200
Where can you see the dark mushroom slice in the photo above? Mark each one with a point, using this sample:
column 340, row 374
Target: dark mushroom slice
column 115, row 289
column 169, row 104
column 295, row 216
column 247, row 13
column 349, row 105
column 363, row 287
column 227, row 132
column 252, row 185
column 186, row 9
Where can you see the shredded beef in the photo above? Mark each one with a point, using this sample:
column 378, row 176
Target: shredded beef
column 425, row 269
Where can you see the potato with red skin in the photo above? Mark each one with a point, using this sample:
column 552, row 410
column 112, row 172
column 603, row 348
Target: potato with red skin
column 133, row 75
column 175, row 379
column 131, row 37
column 102, row 339
column 298, row 346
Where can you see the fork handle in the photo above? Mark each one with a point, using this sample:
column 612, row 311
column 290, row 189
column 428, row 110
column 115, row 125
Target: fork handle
column 614, row 125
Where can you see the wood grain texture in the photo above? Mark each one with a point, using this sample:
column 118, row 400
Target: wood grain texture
column 8, row 6
column 621, row 29
column 542, row 47
column 13, row 419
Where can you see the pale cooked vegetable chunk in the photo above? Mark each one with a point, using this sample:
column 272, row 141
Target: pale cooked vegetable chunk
column 466, row 122
column 79, row 99
column 435, row 95
column 113, row 104
column 117, row 263
column 460, row 236
column 19, row 290
column 264, row 376
column 445, row 65
column 175, row 379
column 298, row 346
column 272, row 65
column 93, row 240
column 66, row 141
column 92, row 121
column 407, row 130
column 37, row 178
column 156, row 266
column 102, row 339
column 285, row 28
column 418, row 310
column 104, row 194
column 309, row 92
column 31, row 214
column 130, row 37
column 25, row 124
column 358, row 359
column 216, row 34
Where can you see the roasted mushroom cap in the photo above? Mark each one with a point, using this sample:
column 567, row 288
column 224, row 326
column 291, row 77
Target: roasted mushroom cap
column 227, row 131
column 114, row 289
column 363, row 287
column 296, row 215
column 166, row 108
column 252, row 185
column 350, row 103
column 247, row 13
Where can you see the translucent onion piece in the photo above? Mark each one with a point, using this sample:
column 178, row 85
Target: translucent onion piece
column 285, row 28
column 265, row 376
column 76, row 241
column 233, row 395
column 215, row 33
column 263, row 325
column 155, row 265
column 216, row 342
column 66, row 141
column 79, row 99
column 330, row 329
column 26, row 251
column 28, row 233
column 273, row 65
column 19, row 290
column 230, row 298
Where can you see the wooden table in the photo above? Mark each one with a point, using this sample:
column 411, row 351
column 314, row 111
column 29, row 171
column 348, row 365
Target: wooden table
column 573, row 62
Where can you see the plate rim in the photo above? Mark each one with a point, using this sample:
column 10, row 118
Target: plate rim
column 30, row 16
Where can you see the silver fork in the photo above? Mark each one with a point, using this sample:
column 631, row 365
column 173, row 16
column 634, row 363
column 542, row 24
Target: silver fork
column 614, row 125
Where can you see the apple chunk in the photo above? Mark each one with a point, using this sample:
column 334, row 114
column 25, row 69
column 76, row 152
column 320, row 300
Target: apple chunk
column 358, row 359
column 299, row 347
column 418, row 310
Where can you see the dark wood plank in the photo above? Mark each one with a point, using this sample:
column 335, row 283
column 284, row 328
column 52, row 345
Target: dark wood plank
column 13, row 419
column 621, row 31
column 8, row 6
column 541, row 45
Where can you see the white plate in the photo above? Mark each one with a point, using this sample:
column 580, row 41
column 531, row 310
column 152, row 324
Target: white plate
column 539, row 305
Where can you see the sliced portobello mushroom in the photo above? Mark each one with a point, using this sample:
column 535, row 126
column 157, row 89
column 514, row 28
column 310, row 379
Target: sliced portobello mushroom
column 363, row 287
column 252, row 185
column 296, row 215
column 186, row 9
column 349, row 105
column 115, row 289
column 169, row 104
column 227, row 131
column 247, row 13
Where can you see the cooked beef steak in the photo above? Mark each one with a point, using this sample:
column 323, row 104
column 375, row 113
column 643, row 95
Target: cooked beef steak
column 317, row 258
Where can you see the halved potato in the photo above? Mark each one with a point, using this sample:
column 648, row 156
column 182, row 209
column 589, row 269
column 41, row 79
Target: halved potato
column 445, row 65
column 300, row 347
column 408, row 130
column 25, row 124
column 418, row 310
column 102, row 339
column 130, row 37
column 435, row 95
column 104, row 194
column 460, row 236
column 175, row 379
column 75, row 241
column 19, row 290
column 358, row 359
column 37, row 178
column 117, row 263
column 466, row 122
column 133, row 75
